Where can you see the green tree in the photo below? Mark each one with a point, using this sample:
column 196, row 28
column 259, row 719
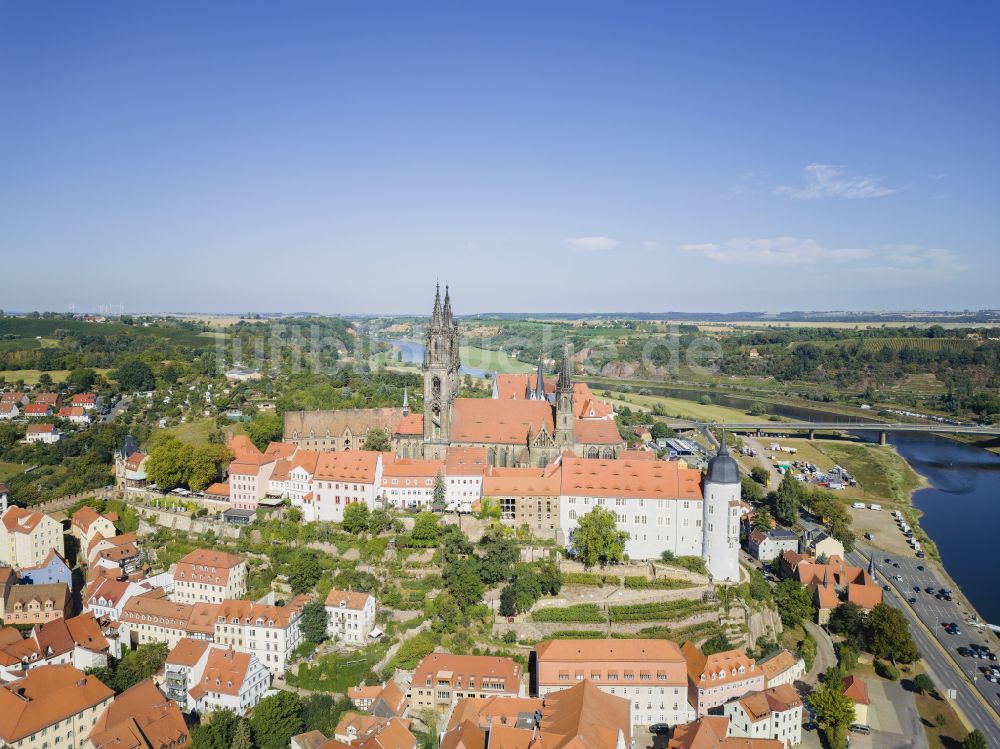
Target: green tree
column 264, row 428
column 461, row 578
column 762, row 520
column 888, row 635
column 847, row 656
column 807, row 649
column 134, row 375
column 438, row 493
column 785, row 501
column 426, row 529
column 848, row 619
column 45, row 380
column 924, row 684
column 717, row 643
column 974, row 740
column 597, row 540
column 321, row 712
column 242, row 738
column 216, row 730
column 750, row 490
column 498, row 554
column 356, row 518
column 661, row 431
column 760, row 475
column 379, row 521
column 81, row 379
column 304, row 571
column 168, row 463
column 834, row 709
column 314, row 621
column 275, row 720
column 139, row 664
column 378, row 440
column 794, row 602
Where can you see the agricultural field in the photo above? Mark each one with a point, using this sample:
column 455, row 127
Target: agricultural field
column 20, row 344
column 30, row 376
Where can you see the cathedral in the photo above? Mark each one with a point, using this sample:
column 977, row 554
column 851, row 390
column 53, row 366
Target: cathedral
column 529, row 420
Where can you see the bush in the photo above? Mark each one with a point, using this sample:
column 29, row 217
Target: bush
column 590, row 578
column 924, row 684
column 887, row 670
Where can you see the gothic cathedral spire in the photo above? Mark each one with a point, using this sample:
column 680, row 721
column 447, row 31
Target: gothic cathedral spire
column 441, row 379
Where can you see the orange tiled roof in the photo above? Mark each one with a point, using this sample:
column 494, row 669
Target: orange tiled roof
column 522, row 482
column 499, row 421
column 141, row 718
column 41, row 428
column 354, row 600
column 410, row 424
column 354, row 465
column 21, row 520
column 597, row 432
column 46, row 695
column 609, row 650
column 225, row 671
column 187, row 652
column 466, row 461
column 725, row 665
column 393, row 467
column 469, row 665
column 856, row 689
column 629, row 478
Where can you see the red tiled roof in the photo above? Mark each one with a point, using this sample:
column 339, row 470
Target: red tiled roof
column 499, row 421
column 354, row 465
column 629, row 478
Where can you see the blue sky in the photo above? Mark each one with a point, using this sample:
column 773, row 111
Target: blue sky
column 339, row 157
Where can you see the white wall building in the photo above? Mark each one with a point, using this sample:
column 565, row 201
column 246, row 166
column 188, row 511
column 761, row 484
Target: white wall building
column 343, row 478
column 775, row 713
column 351, row 616
column 270, row 632
column 27, row 537
column 203, row 676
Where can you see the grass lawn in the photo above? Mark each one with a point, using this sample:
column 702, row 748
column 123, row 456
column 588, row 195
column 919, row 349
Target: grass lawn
column 9, row 469
column 942, row 726
column 880, row 470
column 196, row 432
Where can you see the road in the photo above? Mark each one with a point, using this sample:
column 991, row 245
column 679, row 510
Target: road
column 977, row 698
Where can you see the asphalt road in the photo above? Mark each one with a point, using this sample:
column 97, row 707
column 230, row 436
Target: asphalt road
column 949, row 669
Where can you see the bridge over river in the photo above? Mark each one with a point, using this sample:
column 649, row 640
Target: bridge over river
column 811, row 427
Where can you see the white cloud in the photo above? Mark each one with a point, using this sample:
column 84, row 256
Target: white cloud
column 592, row 244
column 829, row 181
column 650, row 244
column 903, row 261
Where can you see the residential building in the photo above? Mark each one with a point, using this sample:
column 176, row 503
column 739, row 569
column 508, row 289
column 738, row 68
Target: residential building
column 88, row 523
column 46, row 434
column 464, row 468
column 152, row 617
column 351, row 616
column 35, row 604
column 119, row 554
column 712, row 732
column 51, row 702
column 782, row 667
column 292, row 477
column 249, row 479
column 8, row 578
column 856, row 690
column 141, row 717
column 768, row 546
column 527, row 497
column 47, row 399
column 270, row 632
column 818, row 543
column 106, row 596
column 78, row 640
column 649, row 673
column 343, row 478
column 27, row 537
column 17, row 654
column 37, row 411
column 385, row 700
column 408, row 483
column 54, row 569
column 442, row 679
column 774, row 713
column 716, row 679
column 130, row 471
column 373, row 732
column 203, row 676
column 209, row 576
column 86, row 401
column 74, row 414
column 9, row 410
column 580, row 716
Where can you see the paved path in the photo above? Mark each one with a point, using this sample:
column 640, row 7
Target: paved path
column 826, row 657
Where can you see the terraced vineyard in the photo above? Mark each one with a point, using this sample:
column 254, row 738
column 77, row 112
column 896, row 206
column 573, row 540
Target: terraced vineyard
column 661, row 611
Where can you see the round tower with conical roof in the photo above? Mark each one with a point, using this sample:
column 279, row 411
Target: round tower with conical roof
column 721, row 516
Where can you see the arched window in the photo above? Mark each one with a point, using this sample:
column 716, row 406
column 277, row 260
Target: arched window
column 593, row 453
column 609, row 453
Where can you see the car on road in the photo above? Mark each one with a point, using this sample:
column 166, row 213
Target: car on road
column 928, row 589
column 911, row 599
column 886, row 587
column 888, row 560
column 964, row 651
column 920, row 567
column 916, row 588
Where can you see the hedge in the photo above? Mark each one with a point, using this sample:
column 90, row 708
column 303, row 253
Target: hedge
column 590, row 578
column 581, row 612
column 659, row 611
column 657, row 583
